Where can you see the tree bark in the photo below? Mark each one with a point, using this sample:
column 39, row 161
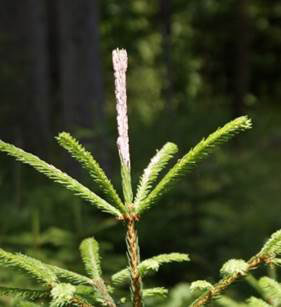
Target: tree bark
column 38, row 111
column 67, row 63
column 81, row 82
column 80, row 64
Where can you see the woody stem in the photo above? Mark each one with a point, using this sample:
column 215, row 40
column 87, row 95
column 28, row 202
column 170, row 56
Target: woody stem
column 133, row 253
column 226, row 282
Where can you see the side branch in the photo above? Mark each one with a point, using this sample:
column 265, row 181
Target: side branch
column 104, row 292
column 225, row 282
column 77, row 301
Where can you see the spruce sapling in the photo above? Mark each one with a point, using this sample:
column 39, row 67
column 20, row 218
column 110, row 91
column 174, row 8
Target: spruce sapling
column 61, row 287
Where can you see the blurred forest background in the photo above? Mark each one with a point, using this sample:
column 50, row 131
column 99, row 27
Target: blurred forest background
column 193, row 65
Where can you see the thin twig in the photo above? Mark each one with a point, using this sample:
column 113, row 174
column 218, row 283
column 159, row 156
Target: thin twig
column 225, row 282
column 104, row 292
column 76, row 301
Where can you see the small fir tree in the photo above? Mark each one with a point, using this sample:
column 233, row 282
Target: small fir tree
column 62, row 287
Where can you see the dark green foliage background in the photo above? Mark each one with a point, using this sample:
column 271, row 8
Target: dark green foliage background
column 226, row 207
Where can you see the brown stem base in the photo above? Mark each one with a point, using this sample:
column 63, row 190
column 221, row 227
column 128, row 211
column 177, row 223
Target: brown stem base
column 133, row 251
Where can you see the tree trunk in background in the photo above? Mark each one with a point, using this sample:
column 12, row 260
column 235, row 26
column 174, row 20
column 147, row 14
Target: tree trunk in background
column 90, row 86
column 80, row 70
column 67, row 63
column 38, row 125
column 242, row 65
column 165, row 7
column 81, row 82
